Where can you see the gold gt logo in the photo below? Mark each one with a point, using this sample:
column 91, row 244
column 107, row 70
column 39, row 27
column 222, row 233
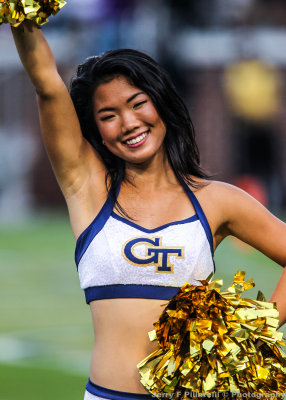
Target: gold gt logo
column 155, row 253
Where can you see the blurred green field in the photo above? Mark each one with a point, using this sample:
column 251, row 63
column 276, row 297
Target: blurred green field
column 45, row 329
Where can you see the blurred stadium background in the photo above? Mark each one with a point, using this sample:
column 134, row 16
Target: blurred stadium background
column 228, row 60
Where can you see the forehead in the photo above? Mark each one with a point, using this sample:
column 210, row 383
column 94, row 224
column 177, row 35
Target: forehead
column 119, row 89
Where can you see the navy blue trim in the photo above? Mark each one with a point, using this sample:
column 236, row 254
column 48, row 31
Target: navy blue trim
column 114, row 394
column 93, row 228
column 130, row 292
column 201, row 215
column 141, row 228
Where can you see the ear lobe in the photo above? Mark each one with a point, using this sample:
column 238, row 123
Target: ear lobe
column 103, row 142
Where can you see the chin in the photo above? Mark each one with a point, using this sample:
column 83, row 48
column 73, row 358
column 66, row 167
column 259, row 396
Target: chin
column 142, row 159
column 139, row 156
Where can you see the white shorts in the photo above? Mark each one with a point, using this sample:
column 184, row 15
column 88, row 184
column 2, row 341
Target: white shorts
column 89, row 396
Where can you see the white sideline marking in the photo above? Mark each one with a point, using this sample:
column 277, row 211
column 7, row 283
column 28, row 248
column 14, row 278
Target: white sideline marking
column 17, row 351
column 14, row 350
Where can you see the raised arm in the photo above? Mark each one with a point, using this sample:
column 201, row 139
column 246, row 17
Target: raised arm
column 72, row 157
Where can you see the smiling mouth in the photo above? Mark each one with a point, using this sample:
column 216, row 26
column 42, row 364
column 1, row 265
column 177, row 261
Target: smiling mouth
column 138, row 139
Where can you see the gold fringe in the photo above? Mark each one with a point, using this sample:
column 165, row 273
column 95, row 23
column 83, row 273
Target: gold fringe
column 214, row 342
column 14, row 12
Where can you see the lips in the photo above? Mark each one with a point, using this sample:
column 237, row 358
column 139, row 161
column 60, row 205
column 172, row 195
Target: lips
column 136, row 139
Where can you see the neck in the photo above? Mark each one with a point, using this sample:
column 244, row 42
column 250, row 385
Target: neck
column 153, row 173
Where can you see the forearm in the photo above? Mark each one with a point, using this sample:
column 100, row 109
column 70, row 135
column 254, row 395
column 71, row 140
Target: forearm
column 36, row 56
column 279, row 296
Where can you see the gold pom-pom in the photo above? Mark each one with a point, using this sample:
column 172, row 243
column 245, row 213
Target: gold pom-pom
column 215, row 342
column 14, row 12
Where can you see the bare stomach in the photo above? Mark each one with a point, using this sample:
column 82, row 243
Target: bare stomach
column 121, row 329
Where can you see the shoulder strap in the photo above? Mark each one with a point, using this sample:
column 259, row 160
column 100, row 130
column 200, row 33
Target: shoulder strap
column 94, row 228
column 200, row 213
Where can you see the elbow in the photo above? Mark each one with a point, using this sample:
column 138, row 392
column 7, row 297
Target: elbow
column 50, row 89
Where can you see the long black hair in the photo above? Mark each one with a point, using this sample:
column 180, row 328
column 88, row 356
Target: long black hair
column 147, row 75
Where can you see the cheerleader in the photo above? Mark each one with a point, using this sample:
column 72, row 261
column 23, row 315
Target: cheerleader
column 145, row 216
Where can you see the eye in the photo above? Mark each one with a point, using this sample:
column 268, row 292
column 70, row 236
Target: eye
column 107, row 117
column 137, row 105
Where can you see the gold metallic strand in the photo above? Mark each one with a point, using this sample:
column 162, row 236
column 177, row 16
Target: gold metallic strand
column 207, row 342
column 14, row 12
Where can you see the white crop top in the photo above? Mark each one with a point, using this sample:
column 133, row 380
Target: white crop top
column 116, row 258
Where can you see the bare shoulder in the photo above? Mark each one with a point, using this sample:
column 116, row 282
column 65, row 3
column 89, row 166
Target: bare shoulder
column 226, row 206
column 228, row 202
column 211, row 195
column 210, row 190
column 232, row 211
column 220, row 193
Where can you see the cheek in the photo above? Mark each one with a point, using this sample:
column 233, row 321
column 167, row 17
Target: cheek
column 101, row 129
column 106, row 130
column 152, row 117
column 158, row 122
column 151, row 113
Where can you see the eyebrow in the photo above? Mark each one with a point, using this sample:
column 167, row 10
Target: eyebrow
column 128, row 101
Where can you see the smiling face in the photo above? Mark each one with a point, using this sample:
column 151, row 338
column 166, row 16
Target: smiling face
column 128, row 122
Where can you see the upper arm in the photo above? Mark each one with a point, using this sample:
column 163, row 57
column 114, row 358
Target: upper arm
column 72, row 157
column 245, row 218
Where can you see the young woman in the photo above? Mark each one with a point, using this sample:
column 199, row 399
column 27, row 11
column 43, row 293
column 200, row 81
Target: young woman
column 145, row 216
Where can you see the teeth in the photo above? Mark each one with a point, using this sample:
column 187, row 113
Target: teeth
column 138, row 139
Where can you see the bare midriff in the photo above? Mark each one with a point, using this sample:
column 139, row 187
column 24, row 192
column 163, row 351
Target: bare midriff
column 121, row 329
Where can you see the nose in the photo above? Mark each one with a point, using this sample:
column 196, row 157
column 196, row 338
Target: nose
column 129, row 122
